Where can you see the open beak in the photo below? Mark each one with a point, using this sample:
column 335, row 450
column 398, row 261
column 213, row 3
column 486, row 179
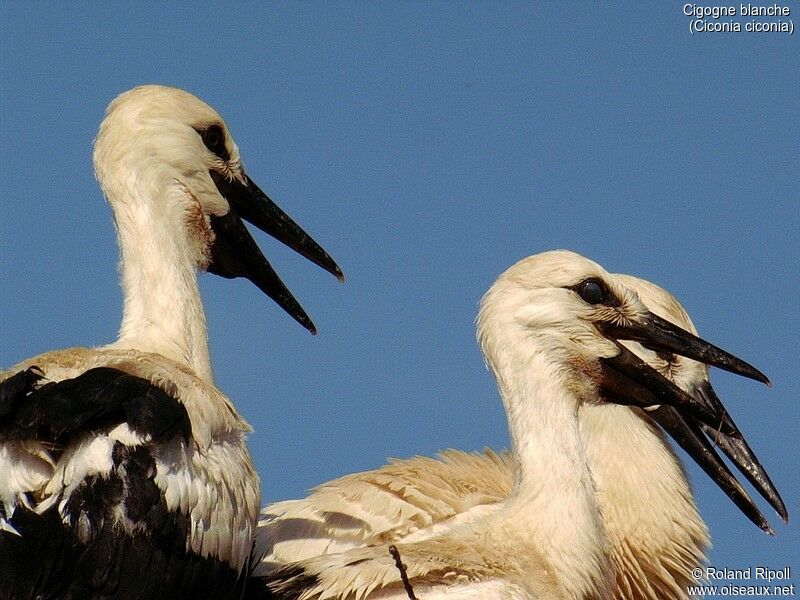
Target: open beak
column 687, row 422
column 234, row 253
column 691, row 437
column 627, row 379
column 696, row 440
column 738, row 451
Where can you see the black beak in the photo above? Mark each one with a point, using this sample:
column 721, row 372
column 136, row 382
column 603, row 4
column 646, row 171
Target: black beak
column 696, row 439
column 738, row 451
column 691, row 437
column 688, row 423
column 234, row 253
column 627, row 379
column 659, row 335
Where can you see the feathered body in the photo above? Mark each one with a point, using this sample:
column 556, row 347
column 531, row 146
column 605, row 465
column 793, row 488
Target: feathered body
column 655, row 534
column 174, row 495
column 126, row 472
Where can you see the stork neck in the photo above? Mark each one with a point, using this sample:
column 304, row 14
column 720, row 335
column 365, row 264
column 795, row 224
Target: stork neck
column 162, row 310
column 554, row 500
column 652, row 519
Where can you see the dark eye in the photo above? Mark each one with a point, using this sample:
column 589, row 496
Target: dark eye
column 592, row 291
column 215, row 141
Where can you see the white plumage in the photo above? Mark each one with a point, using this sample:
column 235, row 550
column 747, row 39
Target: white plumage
column 655, row 536
column 127, row 455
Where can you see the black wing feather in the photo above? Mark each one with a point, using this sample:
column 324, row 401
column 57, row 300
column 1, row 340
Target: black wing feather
column 83, row 550
column 97, row 400
column 14, row 389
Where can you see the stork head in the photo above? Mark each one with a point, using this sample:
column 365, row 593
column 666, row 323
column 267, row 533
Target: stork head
column 685, row 372
column 694, row 437
column 164, row 155
column 565, row 312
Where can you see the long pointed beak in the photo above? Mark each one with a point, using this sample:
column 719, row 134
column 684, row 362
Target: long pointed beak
column 627, row 379
column 659, row 335
column 738, row 451
column 689, row 436
column 234, row 253
column 688, row 422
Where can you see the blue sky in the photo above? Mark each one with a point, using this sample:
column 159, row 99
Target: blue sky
column 427, row 147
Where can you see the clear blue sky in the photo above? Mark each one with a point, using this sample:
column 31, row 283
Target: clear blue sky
column 427, row 147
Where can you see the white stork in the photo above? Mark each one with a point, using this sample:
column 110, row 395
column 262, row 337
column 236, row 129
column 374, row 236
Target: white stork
column 123, row 470
column 533, row 524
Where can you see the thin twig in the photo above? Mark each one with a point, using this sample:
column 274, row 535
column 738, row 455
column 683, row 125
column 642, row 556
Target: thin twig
column 403, row 574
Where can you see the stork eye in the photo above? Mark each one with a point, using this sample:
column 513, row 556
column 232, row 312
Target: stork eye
column 592, row 291
column 215, row 141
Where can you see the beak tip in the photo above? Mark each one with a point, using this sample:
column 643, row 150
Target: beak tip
column 301, row 317
column 339, row 275
column 781, row 510
column 763, row 524
column 758, row 376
